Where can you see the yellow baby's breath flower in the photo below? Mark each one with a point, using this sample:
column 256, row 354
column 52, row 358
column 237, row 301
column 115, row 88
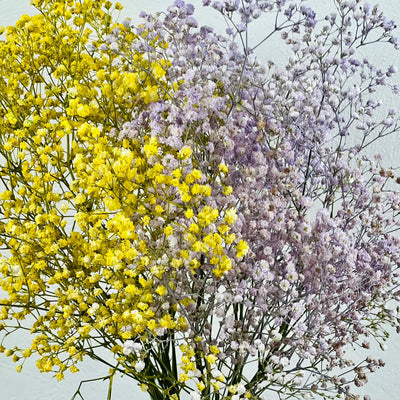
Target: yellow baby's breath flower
column 74, row 369
column 215, row 349
column 161, row 290
column 227, row 190
column 211, row 358
column 99, row 229
column 216, row 386
column 168, row 230
column 144, row 387
column 157, row 70
column 189, row 213
column 151, row 147
column 80, row 198
column 18, row 368
column 159, row 209
column 230, row 216
column 241, row 249
column 64, row 208
column 223, row 168
column 184, row 153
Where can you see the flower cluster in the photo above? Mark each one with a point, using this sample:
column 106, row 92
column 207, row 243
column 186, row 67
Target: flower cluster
column 218, row 225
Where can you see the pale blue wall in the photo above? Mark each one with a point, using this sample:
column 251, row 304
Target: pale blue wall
column 31, row 385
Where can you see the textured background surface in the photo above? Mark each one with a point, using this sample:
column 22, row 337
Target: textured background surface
column 31, row 385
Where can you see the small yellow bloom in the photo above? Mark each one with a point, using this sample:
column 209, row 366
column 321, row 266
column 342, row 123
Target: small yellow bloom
column 74, row 369
column 168, row 230
column 161, row 290
column 215, row 349
column 228, row 190
column 183, row 377
column 158, row 209
column 211, row 358
column 216, row 386
column 157, row 70
column 184, row 153
column 144, row 387
column 230, row 216
column 241, row 249
column 80, row 198
column 60, row 376
column 223, row 168
column 64, row 208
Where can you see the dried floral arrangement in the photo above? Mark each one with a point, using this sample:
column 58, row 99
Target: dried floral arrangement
column 216, row 224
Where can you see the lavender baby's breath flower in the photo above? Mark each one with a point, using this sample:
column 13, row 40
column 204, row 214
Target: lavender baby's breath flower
column 318, row 213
